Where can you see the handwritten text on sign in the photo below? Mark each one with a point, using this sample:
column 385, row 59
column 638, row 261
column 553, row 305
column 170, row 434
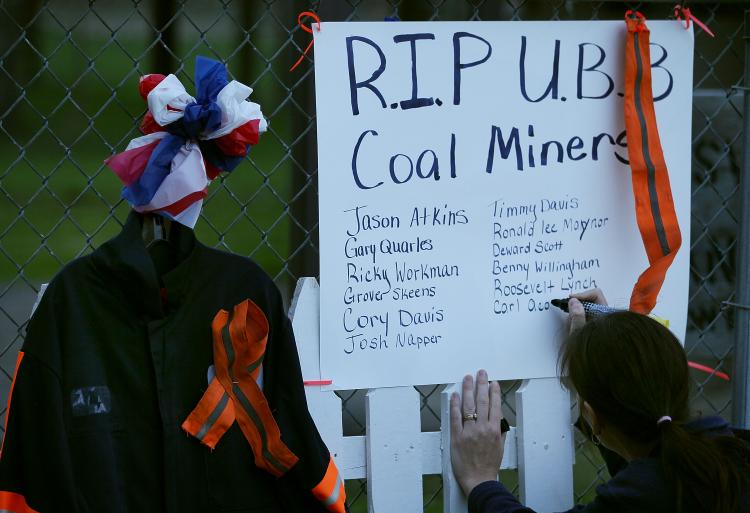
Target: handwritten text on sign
column 471, row 172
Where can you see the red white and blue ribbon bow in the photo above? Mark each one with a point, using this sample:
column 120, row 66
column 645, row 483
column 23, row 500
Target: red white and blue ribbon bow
column 187, row 141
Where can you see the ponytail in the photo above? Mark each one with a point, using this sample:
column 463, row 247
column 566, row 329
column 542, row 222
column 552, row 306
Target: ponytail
column 710, row 470
column 633, row 373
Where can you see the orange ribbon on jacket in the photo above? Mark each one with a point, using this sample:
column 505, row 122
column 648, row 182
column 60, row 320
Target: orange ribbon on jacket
column 239, row 343
column 654, row 206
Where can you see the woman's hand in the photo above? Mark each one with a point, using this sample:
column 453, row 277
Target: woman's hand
column 476, row 445
column 575, row 309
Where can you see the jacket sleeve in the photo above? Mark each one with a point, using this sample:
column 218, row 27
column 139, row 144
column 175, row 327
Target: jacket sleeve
column 493, row 497
column 35, row 468
column 315, row 472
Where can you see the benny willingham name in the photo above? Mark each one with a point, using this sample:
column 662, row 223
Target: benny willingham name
column 531, row 244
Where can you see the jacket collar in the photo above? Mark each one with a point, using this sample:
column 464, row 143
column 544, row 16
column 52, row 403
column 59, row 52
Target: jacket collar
column 126, row 259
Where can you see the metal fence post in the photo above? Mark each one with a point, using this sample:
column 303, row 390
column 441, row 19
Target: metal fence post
column 741, row 392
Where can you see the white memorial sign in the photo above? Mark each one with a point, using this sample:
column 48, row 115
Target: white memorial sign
column 469, row 173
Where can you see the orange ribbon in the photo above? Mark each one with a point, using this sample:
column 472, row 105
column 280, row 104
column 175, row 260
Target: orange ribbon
column 654, row 205
column 680, row 11
column 307, row 29
column 239, row 343
column 637, row 21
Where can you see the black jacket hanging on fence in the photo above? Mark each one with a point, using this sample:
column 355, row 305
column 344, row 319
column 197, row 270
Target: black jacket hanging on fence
column 116, row 359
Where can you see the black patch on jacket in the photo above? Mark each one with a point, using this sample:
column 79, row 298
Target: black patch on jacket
column 90, row 401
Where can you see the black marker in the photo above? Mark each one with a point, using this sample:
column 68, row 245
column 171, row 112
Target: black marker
column 590, row 309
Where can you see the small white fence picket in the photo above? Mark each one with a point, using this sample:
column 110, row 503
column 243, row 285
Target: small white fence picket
column 394, row 453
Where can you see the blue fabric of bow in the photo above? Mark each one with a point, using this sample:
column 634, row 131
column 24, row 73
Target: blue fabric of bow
column 200, row 118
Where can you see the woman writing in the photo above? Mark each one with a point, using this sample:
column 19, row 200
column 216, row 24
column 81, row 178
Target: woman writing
column 631, row 377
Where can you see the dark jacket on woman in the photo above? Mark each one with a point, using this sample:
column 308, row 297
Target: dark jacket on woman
column 636, row 487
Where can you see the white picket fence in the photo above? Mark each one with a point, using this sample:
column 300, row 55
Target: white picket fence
column 394, row 453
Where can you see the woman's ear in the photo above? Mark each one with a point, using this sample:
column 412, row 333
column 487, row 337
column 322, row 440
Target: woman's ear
column 592, row 418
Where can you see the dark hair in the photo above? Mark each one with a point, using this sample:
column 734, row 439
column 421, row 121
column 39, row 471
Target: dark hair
column 632, row 371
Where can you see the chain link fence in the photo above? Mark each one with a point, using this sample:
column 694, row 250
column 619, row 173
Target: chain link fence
column 68, row 99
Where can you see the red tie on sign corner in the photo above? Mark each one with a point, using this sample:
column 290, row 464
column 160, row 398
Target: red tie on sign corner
column 654, row 206
column 681, row 12
column 300, row 17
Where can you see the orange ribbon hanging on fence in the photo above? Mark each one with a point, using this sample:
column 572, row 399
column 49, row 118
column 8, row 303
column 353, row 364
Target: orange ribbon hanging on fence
column 239, row 343
column 309, row 30
column 654, row 206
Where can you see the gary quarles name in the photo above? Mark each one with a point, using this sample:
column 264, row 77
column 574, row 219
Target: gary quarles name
column 394, row 246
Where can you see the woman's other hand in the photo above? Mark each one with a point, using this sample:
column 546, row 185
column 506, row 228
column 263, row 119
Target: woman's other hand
column 575, row 309
column 477, row 443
